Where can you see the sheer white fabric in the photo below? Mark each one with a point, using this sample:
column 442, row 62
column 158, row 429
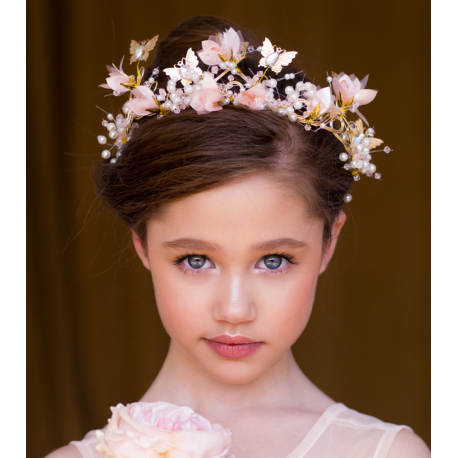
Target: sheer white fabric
column 340, row 432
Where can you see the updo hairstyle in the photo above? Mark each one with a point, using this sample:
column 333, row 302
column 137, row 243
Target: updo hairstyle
column 183, row 154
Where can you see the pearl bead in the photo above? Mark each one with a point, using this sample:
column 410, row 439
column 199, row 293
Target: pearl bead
column 121, row 130
column 102, row 139
column 387, row 149
column 272, row 83
column 151, row 80
column 329, row 79
column 175, row 98
column 370, row 132
column 287, row 76
column 299, row 86
column 174, row 107
column 188, row 89
column 289, row 110
column 171, row 89
column 125, row 110
column 195, row 77
column 289, row 89
column 231, row 65
column 111, row 126
column 359, row 148
column 229, row 93
column 113, row 134
column 308, row 85
column 106, row 154
column 167, row 105
column 227, row 101
column 175, row 78
column 234, row 71
column 359, row 164
column 197, row 87
column 187, row 100
column 311, row 93
column 113, row 161
column 366, row 141
column 343, row 157
column 118, row 154
column 222, row 65
column 366, row 150
column 160, row 98
column 348, row 198
column 372, row 168
column 365, row 164
column 281, row 111
column 110, row 117
column 353, row 164
column 297, row 104
column 292, row 116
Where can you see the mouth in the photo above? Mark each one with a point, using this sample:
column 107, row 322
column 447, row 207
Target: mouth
column 233, row 347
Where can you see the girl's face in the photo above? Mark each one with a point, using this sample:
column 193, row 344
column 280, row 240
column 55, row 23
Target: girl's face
column 242, row 259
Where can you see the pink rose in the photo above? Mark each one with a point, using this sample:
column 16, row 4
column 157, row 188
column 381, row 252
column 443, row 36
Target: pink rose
column 160, row 429
column 350, row 86
column 116, row 78
column 254, row 98
column 206, row 99
column 143, row 101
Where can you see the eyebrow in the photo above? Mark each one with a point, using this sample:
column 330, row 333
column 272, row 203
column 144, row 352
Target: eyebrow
column 196, row 244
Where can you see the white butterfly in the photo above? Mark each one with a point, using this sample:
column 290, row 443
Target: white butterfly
column 189, row 63
column 275, row 58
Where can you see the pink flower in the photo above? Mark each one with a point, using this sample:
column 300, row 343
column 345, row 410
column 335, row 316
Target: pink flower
column 325, row 99
column 228, row 44
column 206, row 99
column 143, row 101
column 350, row 86
column 159, row 429
column 116, row 78
column 254, row 98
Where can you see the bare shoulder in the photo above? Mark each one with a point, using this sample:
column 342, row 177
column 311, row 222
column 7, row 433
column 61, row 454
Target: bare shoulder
column 407, row 445
column 69, row 451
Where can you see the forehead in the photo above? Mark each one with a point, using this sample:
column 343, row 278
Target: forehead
column 252, row 208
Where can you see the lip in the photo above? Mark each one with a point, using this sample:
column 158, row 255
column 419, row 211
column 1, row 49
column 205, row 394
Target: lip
column 233, row 347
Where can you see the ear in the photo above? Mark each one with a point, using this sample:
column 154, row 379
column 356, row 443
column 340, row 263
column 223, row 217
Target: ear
column 336, row 228
column 140, row 250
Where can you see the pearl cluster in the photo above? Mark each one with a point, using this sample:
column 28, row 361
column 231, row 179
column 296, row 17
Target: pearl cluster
column 301, row 102
column 117, row 131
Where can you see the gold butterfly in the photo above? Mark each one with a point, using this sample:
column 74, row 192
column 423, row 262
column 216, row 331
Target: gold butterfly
column 360, row 130
column 140, row 51
column 188, row 63
column 275, row 58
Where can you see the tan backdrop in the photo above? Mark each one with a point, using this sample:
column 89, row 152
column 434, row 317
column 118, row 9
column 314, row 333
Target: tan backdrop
column 94, row 336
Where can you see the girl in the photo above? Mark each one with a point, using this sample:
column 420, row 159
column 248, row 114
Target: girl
column 236, row 212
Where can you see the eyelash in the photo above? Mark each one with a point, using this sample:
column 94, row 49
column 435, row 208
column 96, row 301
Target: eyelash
column 289, row 257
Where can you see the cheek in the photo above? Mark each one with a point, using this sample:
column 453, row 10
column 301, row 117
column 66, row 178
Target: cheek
column 181, row 305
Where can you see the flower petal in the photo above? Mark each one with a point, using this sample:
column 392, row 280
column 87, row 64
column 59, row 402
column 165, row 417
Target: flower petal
column 365, row 96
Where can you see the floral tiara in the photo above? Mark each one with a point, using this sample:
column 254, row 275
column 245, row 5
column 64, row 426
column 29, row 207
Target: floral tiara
column 224, row 84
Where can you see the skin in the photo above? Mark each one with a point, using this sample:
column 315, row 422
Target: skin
column 264, row 399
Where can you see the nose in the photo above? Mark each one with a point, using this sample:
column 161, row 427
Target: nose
column 234, row 303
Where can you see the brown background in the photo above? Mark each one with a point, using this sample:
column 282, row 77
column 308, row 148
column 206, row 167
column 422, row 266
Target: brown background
column 94, row 336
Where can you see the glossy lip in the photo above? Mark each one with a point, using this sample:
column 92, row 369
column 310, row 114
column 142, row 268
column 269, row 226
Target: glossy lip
column 233, row 347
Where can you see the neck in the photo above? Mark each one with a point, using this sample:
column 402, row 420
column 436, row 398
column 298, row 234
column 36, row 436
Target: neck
column 181, row 381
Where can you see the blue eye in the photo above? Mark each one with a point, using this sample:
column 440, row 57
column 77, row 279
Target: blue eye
column 275, row 261
column 196, row 262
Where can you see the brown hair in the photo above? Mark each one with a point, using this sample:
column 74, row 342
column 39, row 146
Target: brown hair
column 182, row 154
